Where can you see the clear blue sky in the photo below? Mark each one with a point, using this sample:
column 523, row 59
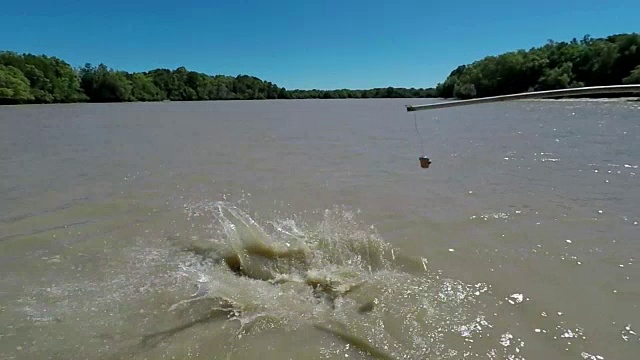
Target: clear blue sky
column 303, row 43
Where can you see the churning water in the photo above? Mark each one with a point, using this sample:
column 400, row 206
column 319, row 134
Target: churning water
column 307, row 230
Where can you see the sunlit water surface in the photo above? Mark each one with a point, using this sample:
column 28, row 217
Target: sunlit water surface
column 307, row 230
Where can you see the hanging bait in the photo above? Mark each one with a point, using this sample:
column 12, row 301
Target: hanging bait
column 424, row 161
column 588, row 90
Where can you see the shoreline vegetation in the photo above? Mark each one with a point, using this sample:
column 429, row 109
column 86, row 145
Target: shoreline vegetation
column 42, row 79
column 613, row 60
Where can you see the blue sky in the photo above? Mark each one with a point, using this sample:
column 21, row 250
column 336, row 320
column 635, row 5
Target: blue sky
column 304, row 43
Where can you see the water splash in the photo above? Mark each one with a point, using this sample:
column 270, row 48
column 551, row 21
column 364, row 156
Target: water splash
column 337, row 276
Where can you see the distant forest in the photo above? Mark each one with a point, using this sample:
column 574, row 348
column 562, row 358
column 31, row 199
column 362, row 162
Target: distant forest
column 613, row 60
column 28, row 78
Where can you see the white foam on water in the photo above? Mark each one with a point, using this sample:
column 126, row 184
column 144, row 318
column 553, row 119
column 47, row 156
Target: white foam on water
column 515, row 298
column 587, row 356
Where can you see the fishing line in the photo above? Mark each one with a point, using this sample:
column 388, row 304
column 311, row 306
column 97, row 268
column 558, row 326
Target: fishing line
column 415, row 121
column 424, row 161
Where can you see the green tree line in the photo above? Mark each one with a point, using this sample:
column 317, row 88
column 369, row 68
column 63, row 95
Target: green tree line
column 27, row 78
column 590, row 61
